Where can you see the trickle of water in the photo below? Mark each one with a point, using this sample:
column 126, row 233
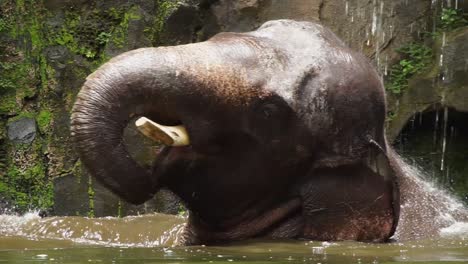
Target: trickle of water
column 444, row 139
column 386, row 65
column 347, row 7
column 436, row 127
column 374, row 18
column 452, row 133
column 441, row 60
column 413, row 118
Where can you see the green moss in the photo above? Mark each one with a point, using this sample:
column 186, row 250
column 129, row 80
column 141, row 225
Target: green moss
column 120, row 32
column 103, row 38
column 88, row 34
column 21, row 115
column 16, row 83
column 43, row 120
column 182, row 211
column 73, row 36
column 8, row 104
column 91, row 194
column 164, row 9
column 28, row 188
column 23, row 74
column 4, row 24
column 19, row 6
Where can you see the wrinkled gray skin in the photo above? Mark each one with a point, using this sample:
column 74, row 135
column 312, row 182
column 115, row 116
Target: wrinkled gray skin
column 287, row 134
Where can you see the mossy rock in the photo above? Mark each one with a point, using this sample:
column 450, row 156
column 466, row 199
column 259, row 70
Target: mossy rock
column 444, row 84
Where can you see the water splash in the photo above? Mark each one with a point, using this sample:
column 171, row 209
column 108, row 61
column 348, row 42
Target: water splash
column 133, row 231
column 427, row 211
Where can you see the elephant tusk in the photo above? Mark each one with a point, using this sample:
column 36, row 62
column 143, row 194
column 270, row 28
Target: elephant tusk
column 176, row 136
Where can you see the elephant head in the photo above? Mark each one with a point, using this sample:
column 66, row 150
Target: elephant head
column 285, row 123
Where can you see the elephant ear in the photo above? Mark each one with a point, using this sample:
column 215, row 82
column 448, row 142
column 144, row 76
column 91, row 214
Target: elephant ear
column 383, row 161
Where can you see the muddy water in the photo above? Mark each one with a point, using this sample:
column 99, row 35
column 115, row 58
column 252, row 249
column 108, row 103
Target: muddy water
column 433, row 228
column 149, row 239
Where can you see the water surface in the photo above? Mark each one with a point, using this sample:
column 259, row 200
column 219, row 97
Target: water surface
column 433, row 228
column 150, row 238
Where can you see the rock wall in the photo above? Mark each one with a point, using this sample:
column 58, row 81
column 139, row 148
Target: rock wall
column 443, row 84
column 47, row 48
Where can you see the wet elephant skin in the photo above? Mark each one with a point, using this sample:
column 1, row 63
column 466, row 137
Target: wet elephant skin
column 286, row 126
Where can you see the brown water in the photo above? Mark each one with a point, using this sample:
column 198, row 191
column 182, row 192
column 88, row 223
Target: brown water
column 433, row 228
column 149, row 239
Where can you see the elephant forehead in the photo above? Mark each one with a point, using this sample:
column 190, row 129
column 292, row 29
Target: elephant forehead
column 226, row 85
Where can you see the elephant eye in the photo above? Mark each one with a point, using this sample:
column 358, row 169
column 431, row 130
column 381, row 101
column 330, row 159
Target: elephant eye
column 269, row 110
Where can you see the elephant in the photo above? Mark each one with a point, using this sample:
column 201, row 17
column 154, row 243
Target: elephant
column 285, row 127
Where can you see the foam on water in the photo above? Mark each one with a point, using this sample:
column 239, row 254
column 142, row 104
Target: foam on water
column 458, row 229
column 11, row 224
column 133, row 231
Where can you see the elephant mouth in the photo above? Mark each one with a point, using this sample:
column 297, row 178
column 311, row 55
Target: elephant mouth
column 175, row 136
column 270, row 223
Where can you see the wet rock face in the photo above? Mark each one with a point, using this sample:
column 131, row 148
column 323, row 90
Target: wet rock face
column 22, row 131
column 455, row 70
column 54, row 46
column 375, row 28
column 443, row 85
column 71, row 196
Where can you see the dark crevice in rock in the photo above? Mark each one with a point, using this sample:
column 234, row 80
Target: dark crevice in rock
column 436, row 140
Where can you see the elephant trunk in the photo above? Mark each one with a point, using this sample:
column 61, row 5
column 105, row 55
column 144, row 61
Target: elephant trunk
column 138, row 83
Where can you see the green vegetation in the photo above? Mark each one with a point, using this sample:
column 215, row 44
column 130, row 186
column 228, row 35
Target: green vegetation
column 16, row 82
column 4, row 24
column 24, row 75
column 120, row 31
column 43, row 120
column 182, row 211
column 164, row 9
column 28, row 88
column 103, row 38
column 416, row 58
column 91, row 197
column 21, row 115
column 452, row 18
column 88, row 34
column 78, row 37
column 28, row 187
